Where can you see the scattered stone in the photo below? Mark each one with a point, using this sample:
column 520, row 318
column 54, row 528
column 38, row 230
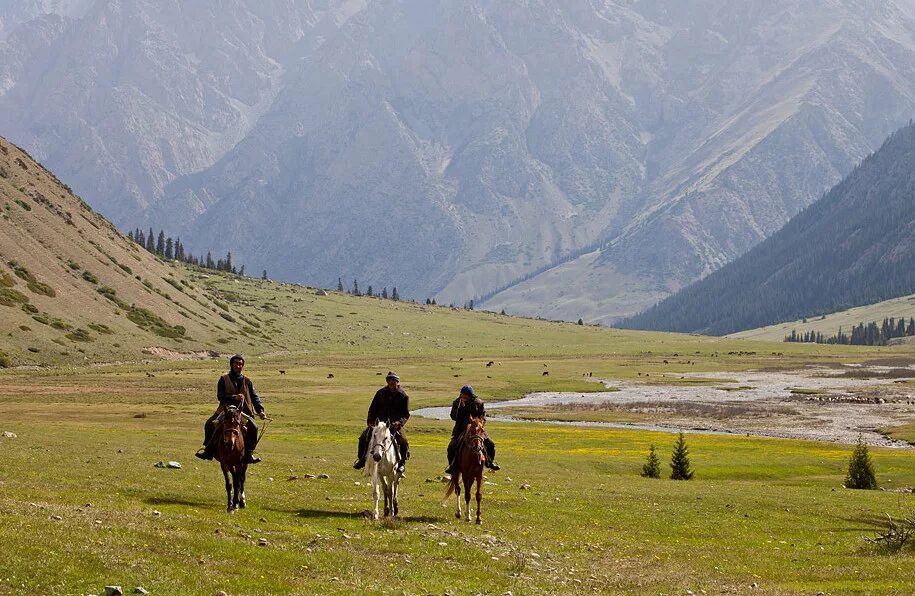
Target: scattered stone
column 443, row 544
column 321, row 293
column 263, row 542
column 8, row 435
column 174, row 465
column 308, row 476
column 220, row 593
column 140, row 590
column 525, row 487
column 56, row 517
column 508, row 479
column 156, row 512
column 291, row 478
column 113, row 591
column 323, row 476
column 346, row 536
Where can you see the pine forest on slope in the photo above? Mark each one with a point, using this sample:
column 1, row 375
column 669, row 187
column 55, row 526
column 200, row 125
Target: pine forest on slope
column 854, row 246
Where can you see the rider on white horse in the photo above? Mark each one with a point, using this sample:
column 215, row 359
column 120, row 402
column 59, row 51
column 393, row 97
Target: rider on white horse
column 391, row 403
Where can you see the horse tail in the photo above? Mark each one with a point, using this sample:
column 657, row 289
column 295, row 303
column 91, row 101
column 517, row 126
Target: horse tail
column 454, row 486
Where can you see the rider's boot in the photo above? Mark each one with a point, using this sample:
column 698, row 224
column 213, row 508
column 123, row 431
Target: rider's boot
column 402, row 462
column 250, row 458
column 204, row 453
column 492, row 465
column 450, row 468
column 359, row 463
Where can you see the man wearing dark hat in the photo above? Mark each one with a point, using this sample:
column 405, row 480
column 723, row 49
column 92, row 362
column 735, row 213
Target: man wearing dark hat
column 391, row 404
column 234, row 389
column 466, row 405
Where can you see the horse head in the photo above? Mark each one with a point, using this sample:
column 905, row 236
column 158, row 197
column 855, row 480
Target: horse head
column 475, row 435
column 231, row 426
column 381, row 435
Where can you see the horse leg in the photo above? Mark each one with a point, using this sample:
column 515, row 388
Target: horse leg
column 396, row 485
column 375, row 495
column 468, row 483
column 386, row 485
column 225, row 474
column 479, row 496
column 457, row 494
column 236, row 480
column 243, row 472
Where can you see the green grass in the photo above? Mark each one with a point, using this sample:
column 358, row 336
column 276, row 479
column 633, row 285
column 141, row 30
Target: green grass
column 764, row 511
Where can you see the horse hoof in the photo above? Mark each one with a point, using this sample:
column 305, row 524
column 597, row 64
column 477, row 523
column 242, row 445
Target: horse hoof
column 479, row 522
column 242, row 505
column 457, row 515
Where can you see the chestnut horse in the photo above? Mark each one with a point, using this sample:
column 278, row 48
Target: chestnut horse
column 470, row 461
column 230, row 451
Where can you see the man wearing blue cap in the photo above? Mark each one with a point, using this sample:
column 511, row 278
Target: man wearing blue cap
column 391, row 404
column 466, row 405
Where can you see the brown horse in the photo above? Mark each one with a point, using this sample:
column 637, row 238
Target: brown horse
column 230, row 451
column 470, row 460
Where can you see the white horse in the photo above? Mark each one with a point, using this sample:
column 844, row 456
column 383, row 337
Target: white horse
column 382, row 467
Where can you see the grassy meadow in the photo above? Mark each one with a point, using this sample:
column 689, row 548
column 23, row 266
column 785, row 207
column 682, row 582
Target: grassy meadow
column 82, row 505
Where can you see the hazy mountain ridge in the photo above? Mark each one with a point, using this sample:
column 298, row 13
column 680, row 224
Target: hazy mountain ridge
column 854, row 246
column 452, row 147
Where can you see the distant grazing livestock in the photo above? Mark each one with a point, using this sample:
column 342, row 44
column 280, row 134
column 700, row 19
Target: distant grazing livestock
column 282, row 372
column 490, row 363
column 546, row 373
column 330, row 375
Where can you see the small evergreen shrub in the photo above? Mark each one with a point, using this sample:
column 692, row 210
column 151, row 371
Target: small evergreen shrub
column 861, row 468
column 679, row 461
column 5, row 360
column 88, row 276
column 79, row 335
column 652, row 468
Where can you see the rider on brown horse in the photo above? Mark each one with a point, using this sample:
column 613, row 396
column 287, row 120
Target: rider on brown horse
column 465, row 406
column 391, row 404
column 234, row 389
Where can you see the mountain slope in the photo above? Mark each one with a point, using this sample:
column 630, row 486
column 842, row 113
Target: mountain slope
column 854, row 246
column 71, row 285
column 452, row 148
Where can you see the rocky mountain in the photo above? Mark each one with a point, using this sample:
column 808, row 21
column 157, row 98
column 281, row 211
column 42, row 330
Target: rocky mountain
column 586, row 157
column 854, row 246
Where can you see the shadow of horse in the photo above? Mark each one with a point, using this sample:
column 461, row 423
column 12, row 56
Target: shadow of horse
column 176, row 501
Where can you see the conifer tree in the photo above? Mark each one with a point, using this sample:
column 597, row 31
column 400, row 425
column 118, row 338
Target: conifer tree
column 652, row 468
column 384, row 292
column 356, row 288
column 369, row 292
column 580, row 322
column 339, row 284
column 860, row 468
column 151, row 241
column 264, row 275
column 394, row 294
column 679, row 461
column 209, row 262
column 169, row 248
column 160, row 244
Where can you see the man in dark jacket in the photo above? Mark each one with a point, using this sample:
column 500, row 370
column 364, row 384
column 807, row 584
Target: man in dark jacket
column 234, row 389
column 466, row 405
column 391, row 404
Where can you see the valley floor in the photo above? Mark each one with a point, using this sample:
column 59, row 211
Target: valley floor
column 82, row 505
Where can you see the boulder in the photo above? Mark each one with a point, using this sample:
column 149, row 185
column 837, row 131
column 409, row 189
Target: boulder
column 114, row 591
column 8, row 435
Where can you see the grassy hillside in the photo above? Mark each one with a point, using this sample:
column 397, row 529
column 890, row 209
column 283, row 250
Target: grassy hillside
column 902, row 307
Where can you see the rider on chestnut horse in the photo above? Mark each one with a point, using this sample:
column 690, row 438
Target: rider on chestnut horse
column 465, row 406
column 392, row 404
column 234, row 389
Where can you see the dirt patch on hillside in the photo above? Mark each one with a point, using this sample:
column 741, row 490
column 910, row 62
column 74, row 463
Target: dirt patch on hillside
column 167, row 354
